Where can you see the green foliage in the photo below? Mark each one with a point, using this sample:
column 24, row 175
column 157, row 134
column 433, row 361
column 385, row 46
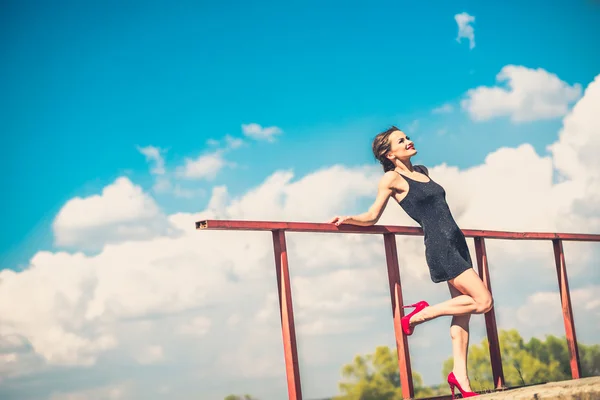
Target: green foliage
column 376, row 377
column 527, row 363
column 589, row 356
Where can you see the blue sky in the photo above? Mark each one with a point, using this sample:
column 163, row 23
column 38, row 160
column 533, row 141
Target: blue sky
column 86, row 85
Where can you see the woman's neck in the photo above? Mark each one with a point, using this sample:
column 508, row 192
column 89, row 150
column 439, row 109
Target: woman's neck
column 405, row 166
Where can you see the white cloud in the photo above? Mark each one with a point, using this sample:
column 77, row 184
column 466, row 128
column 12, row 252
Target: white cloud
column 162, row 184
column 465, row 28
column 229, row 142
column 529, row 94
column 541, row 313
column 258, row 132
column 324, row 300
column 198, row 326
column 153, row 154
column 121, row 212
column 133, row 300
column 232, row 142
column 413, row 126
column 234, row 320
column 206, row 166
column 443, row 109
column 110, row 392
column 49, row 324
column 16, row 357
column 575, row 154
column 150, row 355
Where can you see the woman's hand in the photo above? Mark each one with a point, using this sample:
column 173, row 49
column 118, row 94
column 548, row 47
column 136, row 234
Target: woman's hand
column 337, row 220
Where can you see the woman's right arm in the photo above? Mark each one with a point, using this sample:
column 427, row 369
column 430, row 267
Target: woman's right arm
column 384, row 191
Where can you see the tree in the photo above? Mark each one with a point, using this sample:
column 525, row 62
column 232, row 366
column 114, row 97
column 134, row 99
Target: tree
column 555, row 349
column 236, row 397
column 376, row 377
column 527, row 363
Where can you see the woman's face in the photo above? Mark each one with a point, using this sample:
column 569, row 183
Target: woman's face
column 402, row 148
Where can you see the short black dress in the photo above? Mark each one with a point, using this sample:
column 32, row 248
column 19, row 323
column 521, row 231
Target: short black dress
column 446, row 249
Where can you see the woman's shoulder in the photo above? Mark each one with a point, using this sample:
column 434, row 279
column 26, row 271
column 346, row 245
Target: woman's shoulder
column 393, row 181
column 423, row 169
column 388, row 178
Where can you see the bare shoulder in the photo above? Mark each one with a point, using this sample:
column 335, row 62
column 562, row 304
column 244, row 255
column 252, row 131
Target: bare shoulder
column 392, row 182
column 424, row 168
column 387, row 180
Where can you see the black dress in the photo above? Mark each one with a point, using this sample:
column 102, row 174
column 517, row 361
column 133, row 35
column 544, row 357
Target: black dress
column 446, row 249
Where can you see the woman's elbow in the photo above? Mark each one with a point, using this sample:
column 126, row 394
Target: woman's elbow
column 373, row 219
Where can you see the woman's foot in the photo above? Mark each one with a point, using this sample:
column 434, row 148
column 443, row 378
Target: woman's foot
column 460, row 382
column 406, row 321
column 463, row 381
column 419, row 317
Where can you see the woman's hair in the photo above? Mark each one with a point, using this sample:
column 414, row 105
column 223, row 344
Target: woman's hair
column 382, row 146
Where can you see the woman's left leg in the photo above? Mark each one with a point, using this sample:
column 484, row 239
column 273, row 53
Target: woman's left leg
column 474, row 298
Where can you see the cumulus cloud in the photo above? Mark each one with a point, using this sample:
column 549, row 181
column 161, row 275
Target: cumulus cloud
column 207, row 299
column 121, row 212
column 413, row 126
column 198, row 326
column 547, row 303
column 153, row 154
column 208, row 165
column 443, row 109
column 162, row 183
column 257, row 132
column 575, row 154
column 233, row 142
column 109, row 392
column 229, row 142
column 150, row 355
column 205, row 166
column 465, row 28
column 528, row 95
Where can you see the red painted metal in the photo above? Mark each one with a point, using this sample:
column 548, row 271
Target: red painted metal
column 565, row 298
column 287, row 316
column 391, row 255
column 490, row 317
column 381, row 229
column 285, row 295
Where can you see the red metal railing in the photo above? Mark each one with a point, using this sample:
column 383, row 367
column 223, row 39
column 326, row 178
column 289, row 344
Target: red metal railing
column 389, row 233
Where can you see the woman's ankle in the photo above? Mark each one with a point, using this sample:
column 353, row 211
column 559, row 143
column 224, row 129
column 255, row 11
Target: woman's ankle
column 461, row 375
column 422, row 316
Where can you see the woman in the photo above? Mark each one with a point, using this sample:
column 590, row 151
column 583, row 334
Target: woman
column 446, row 249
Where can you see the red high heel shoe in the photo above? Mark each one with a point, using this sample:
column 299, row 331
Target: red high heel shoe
column 405, row 321
column 454, row 383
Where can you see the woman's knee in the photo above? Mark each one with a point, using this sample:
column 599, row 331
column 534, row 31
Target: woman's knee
column 485, row 304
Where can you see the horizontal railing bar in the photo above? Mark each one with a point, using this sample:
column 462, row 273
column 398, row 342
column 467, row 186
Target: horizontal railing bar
column 380, row 229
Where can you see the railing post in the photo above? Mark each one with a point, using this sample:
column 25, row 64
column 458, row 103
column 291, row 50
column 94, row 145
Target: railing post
column 565, row 298
column 490, row 316
column 287, row 316
column 391, row 255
